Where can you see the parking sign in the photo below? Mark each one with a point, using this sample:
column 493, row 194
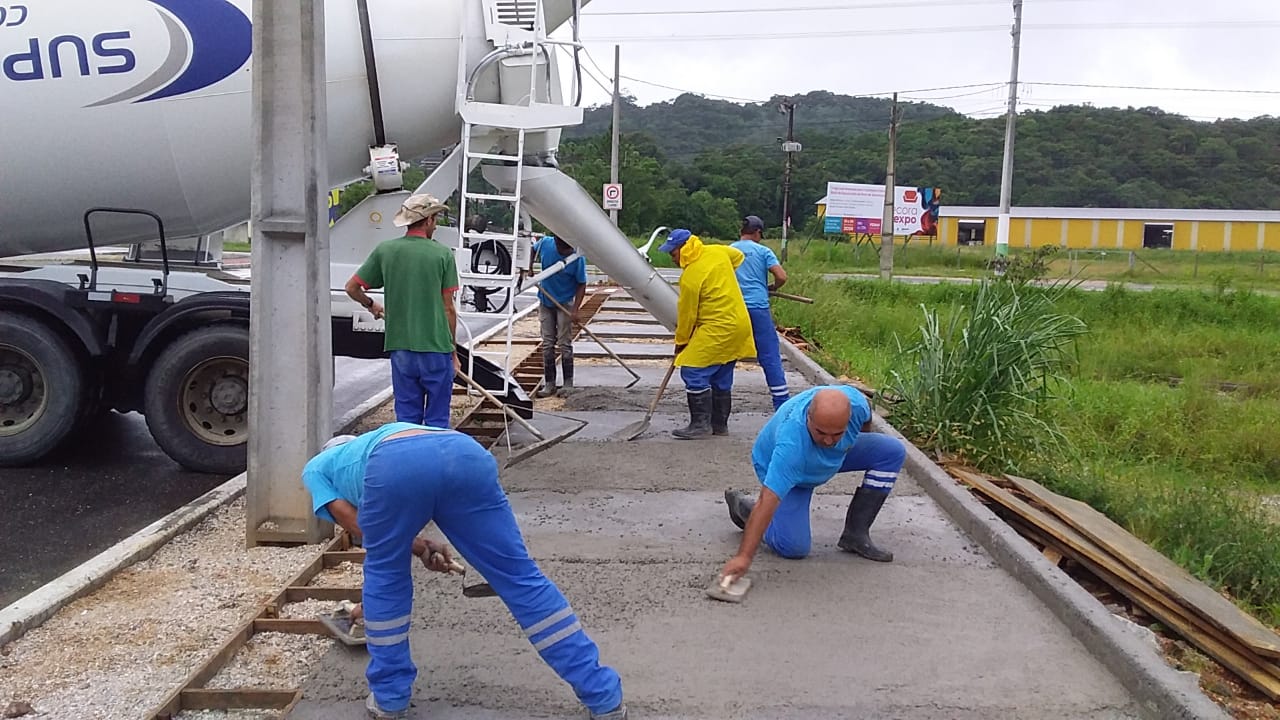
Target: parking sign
column 613, row 196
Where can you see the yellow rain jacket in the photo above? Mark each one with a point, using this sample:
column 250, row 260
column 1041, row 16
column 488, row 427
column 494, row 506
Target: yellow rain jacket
column 712, row 318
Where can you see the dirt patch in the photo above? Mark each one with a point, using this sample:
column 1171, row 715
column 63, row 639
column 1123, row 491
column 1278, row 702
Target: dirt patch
column 117, row 652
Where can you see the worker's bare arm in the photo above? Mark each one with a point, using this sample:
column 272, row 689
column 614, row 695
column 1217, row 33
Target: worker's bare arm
column 344, row 513
column 779, row 277
column 757, row 522
column 355, row 290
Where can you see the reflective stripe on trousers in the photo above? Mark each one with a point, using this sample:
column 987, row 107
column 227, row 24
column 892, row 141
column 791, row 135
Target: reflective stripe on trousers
column 451, row 479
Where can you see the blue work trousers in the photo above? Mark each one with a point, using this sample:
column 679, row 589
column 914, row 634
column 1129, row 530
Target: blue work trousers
column 768, row 355
column 701, row 379
column 449, row 478
column 881, row 456
column 422, row 383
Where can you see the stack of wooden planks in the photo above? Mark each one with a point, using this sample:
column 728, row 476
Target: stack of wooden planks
column 1183, row 604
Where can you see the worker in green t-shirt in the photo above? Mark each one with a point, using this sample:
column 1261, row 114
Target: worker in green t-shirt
column 419, row 277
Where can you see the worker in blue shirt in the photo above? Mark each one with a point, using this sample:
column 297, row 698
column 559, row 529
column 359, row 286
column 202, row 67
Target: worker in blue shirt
column 568, row 287
column 754, row 278
column 383, row 487
column 814, row 435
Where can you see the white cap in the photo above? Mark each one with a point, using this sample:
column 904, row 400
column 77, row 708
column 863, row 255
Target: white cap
column 337, row 440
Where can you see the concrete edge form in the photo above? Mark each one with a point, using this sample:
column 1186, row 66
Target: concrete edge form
column 41, row 604
column 1161, row 690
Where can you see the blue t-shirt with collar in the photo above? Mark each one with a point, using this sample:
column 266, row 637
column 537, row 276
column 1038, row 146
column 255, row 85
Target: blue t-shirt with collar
column 338, row 473
column 753, row 273
column 562, row 286
column 785, row 455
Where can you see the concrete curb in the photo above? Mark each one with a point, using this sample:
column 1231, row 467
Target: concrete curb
column 40, row 605
column 1161, row 691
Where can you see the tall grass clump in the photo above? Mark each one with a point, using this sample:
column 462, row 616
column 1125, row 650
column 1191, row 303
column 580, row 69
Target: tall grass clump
column 981, row 381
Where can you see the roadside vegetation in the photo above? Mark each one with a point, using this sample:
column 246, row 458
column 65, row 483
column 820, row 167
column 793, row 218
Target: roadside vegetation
column 1161, row 409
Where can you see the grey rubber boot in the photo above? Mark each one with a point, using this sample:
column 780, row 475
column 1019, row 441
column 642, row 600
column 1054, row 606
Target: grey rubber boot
column 699, row 417
column 740, row 506
column 721, row 406
column 856, row 538
column 548, row 375
column 566, row 366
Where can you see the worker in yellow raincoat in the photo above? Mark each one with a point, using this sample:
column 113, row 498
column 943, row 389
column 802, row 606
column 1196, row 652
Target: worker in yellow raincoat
column 713, row 330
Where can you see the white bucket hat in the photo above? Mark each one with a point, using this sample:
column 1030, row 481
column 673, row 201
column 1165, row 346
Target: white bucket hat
column 337, row 440
column 417, row 207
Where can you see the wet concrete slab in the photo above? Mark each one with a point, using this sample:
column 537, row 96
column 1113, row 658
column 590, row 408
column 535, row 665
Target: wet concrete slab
column 632, row 532
column 624, row 350
column 940, row 633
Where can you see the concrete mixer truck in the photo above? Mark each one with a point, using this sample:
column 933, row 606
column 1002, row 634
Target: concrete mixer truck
column 128, row 122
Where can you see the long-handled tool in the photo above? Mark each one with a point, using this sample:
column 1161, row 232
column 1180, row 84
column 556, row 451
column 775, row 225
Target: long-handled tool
column 789, row 296
column 635, row 377
column 637, row 428
column 543, row 442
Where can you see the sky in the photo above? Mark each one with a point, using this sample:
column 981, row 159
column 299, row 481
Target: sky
column 876, row 47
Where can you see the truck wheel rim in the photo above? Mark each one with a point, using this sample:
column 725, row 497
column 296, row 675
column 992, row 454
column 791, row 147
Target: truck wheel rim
column 22, row 393
column 215, row 401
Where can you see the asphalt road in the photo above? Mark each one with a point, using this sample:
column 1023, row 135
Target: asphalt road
column 114, row 480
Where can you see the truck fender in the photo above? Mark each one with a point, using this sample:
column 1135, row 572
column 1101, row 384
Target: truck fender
column 203, row 308
column 46, row 299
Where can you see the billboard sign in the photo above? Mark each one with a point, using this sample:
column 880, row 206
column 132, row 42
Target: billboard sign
column 858, row 209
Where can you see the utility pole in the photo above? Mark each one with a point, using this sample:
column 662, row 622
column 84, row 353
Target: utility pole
column 1006, row 174
column 617, row 113
column 790, row 147
column 890, row 185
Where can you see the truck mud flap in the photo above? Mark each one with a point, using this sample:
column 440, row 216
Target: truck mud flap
column 491, row 377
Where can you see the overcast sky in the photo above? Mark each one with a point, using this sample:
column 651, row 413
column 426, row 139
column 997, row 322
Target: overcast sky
column 859, row 47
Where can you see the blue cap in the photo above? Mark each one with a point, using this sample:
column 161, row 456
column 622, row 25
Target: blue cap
column 675, row 239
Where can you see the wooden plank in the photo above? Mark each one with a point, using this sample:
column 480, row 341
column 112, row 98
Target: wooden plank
column 1159, row 570
column 238, row 699
column 1255, row 670
column 300, row 593
column 291, row 626
column 337, row 557
column 1051, row 554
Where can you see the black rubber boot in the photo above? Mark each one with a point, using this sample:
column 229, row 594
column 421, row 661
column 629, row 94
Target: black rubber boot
column 740, row 506
column 699, row 417
column 863, row 509
column 566, row 367
column 548, row 375
column 721, row 406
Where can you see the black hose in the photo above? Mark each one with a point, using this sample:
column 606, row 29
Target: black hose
column 371, row 71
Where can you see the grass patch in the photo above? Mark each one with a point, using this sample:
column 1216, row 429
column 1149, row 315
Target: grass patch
column 1165, row 268
column 1169, row 419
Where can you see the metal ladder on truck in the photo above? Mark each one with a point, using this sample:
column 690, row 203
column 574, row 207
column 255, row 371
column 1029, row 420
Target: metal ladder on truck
column 516, row 28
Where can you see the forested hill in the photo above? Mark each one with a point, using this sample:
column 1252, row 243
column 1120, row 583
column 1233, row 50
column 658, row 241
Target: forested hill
column 704, row 163
column 688, row 124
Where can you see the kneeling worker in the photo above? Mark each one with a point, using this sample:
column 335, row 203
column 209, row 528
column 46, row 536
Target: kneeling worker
column 813, row 436
column 384, row 487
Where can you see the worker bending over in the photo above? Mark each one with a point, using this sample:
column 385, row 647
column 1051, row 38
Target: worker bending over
column 383, row 487
column 713, row 330
column 814, row 435
column 758, row 265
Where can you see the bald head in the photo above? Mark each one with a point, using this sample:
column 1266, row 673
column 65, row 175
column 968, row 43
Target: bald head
column 828, row 419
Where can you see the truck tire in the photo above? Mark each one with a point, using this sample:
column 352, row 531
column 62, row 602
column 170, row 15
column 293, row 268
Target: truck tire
column 196, row 399
column 41, row 388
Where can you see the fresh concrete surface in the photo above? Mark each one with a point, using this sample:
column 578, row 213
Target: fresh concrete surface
column 633, row 531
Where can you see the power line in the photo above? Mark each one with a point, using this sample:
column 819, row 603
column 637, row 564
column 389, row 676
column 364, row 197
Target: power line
column 884, row 32
column 809, row 8
column 1148, row 87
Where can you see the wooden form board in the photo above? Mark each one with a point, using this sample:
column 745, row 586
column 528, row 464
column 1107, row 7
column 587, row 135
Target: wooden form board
column 1051, row 531
column 1157, row 569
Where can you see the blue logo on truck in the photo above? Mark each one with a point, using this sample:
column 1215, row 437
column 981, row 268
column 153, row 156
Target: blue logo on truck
column 208, row 41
